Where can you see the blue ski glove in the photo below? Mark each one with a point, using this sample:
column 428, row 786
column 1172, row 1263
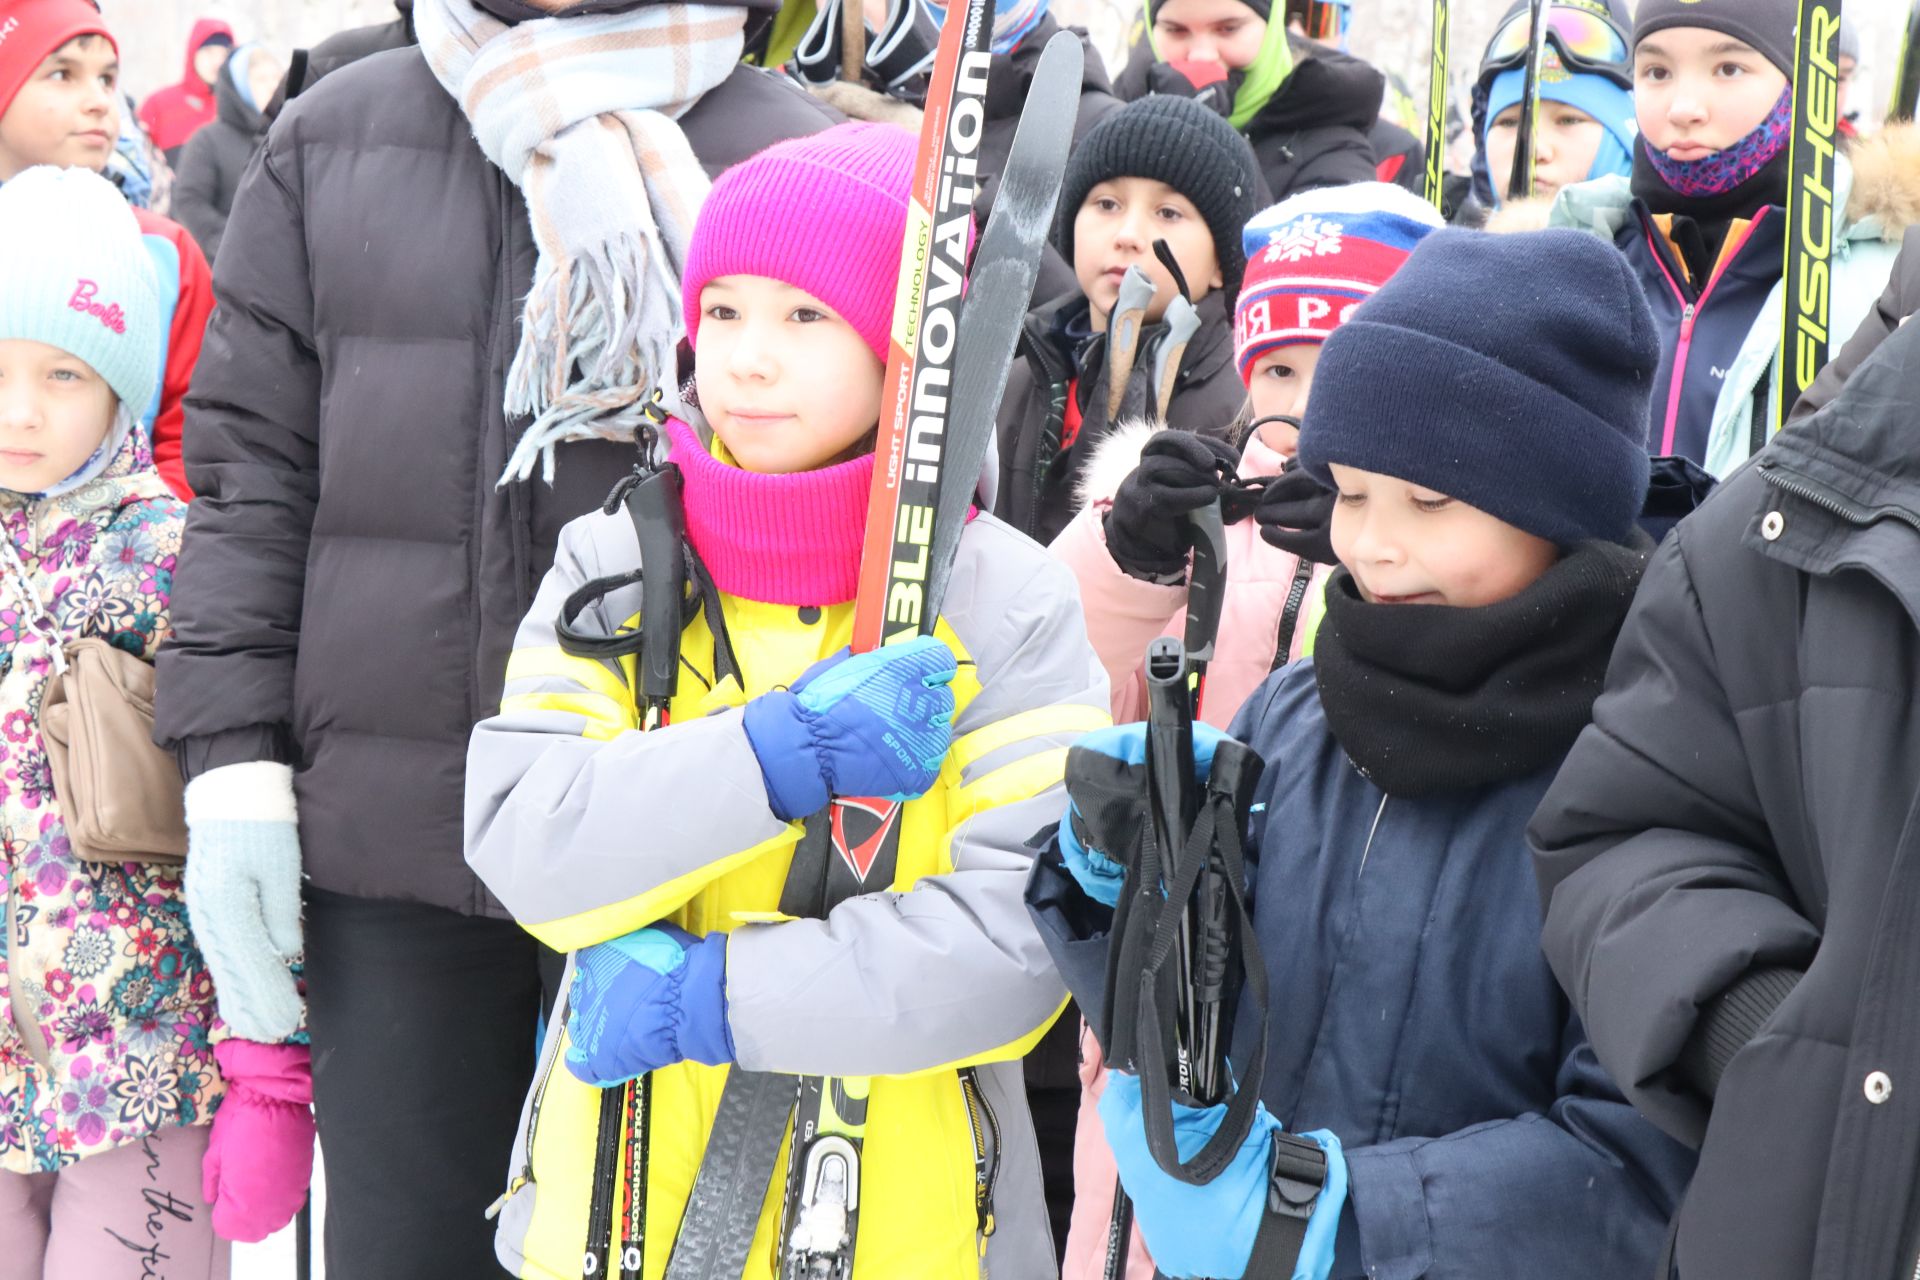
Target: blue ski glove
column 243, row 894
column 646, row 1000
column 874, row 724
column 1209, row 1230
column 1106, row 810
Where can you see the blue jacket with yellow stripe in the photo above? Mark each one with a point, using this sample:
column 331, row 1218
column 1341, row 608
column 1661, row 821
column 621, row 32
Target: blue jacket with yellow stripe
column 587, row 828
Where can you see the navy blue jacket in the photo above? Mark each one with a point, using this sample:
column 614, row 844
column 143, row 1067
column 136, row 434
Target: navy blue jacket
column 1702, row 329
column 1414, row 1015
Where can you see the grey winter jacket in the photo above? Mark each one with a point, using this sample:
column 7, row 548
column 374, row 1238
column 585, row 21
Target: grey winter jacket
column 1742, row 812
column 352, row 576
column 209, row 171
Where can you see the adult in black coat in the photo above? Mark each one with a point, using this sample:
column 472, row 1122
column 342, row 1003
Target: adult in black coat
column 209, row 172
column 1731, row 855
column 1318, row 128
column 355, row 578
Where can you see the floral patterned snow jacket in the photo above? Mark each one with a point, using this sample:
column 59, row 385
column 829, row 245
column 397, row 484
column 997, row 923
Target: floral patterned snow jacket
column 111, row 1005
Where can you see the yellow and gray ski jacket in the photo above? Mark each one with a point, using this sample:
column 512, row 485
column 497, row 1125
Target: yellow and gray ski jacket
column 587, row 828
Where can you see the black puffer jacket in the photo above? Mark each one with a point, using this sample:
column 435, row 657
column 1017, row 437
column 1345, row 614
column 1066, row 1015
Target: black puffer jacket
column 352, row 576
column 342, row 49
column 215, row 157
column 1318, row 128
column 1731, row 854
column 1038, row 476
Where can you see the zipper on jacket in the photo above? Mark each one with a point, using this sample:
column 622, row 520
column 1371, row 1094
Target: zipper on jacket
column 1290, row 614
column 1059, row 383
column 986, row 1152
column 549, row 1059
column 1690, row 311
column 1827, row 500
column 1372, row 831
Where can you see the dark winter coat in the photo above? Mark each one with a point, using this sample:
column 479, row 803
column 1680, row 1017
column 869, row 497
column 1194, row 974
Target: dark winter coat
column 216, row 156
column 1703, row 326
column 1316, row 131
column 1412, row 1013
column 1039, row 478
column 1399, row 156
column 1901, row 300
column 342, row 49
column 1742, row 811
column 353, row 576
column 1007, row 85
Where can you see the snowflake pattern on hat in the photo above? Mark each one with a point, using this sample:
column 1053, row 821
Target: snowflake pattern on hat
column 1308, row 237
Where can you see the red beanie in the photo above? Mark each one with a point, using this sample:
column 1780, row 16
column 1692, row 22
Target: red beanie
column 32, row 29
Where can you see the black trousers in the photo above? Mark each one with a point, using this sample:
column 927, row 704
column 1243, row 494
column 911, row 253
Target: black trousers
column 424, row 1024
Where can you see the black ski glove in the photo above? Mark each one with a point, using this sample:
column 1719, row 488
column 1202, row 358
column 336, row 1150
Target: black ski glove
column 1296, row 515
column 1179, row 473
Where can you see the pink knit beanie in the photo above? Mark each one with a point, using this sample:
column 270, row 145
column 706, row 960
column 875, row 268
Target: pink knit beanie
column 824, row 213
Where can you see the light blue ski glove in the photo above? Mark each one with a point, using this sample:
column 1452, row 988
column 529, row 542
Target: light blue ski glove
column 1108, row 805
column 646, row 1000
column 874, row 725
column 243, row 894
column 1209, row 1230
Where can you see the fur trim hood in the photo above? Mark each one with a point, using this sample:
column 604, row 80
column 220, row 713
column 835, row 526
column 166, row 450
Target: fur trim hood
column 1886, row 180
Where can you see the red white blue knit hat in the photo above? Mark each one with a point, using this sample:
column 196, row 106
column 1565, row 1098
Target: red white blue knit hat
column 1314, row 258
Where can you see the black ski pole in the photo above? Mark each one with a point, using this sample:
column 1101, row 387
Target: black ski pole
column 1520, row 186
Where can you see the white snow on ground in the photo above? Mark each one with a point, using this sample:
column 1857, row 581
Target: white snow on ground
column 273, row 1258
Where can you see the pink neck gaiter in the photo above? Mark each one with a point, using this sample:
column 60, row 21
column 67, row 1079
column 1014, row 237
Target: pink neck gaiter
column 793, row 539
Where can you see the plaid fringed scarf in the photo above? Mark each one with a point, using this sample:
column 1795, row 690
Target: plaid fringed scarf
column 579, row 111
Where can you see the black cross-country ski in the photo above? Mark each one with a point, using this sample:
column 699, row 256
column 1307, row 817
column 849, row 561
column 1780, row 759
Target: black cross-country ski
column 999, row 291
column 1810, row 165
column 1437, row 89
column 1520, row 185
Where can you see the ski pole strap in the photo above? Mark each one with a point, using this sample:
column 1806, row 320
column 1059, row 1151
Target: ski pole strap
column 1216, row 833
column 1296, row 1172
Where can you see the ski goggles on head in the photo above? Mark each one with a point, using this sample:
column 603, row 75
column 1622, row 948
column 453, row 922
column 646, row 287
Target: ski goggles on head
column 1324, row 21
column 1587, row 41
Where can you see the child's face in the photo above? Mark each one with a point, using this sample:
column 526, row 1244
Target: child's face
column 54, row 412
column 1405, row 544
column 785, row 383
column 68, row 111
column 1278, row 385
column 1115, row 229
column 1222, row 31
column 1698, row 91
column 1564, row 146
column 207, row 62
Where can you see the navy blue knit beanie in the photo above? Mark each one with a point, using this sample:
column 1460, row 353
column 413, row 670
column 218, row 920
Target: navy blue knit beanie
column 1512, row 372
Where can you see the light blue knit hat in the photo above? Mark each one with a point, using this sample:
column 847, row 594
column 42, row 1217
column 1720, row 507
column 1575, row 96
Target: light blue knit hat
column 75, row 275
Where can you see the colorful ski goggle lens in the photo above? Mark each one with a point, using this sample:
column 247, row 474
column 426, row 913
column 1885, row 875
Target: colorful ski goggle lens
column 1587, row 40
column 1325, row 22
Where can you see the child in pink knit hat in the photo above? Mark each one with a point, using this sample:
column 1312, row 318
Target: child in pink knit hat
column 673, row 863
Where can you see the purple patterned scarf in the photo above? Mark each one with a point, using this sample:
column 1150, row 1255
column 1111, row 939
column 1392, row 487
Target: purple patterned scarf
column 1726, row 169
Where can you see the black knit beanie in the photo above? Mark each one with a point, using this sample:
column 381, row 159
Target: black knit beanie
column 1183, row 143
column 1477, row 373
column 1767, row 25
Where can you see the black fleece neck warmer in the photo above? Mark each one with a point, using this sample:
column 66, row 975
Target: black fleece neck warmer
column 1428, row 699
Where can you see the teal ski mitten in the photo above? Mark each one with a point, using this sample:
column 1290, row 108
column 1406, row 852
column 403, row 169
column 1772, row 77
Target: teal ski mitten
column 243, row 893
